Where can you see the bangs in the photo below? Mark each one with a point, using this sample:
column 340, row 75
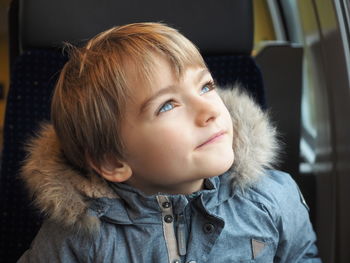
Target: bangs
column 139, row 52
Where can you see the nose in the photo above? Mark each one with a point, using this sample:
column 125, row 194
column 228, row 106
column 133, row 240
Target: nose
column 206, row 112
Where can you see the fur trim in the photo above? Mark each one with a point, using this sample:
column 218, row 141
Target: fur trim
column 59, row 191
column 254, row 144
column 63, row 194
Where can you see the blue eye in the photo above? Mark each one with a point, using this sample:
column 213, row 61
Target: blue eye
column 207, row 87
column 166, row 107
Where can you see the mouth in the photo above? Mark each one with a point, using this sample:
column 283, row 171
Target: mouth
column 215, row 137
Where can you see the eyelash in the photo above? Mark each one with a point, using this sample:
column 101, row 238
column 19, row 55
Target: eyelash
column 210, row 84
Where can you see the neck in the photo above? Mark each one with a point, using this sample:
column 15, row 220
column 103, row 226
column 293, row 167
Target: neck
column 183, row 188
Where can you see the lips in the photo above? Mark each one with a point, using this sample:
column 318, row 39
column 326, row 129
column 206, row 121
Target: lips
column 215, row 137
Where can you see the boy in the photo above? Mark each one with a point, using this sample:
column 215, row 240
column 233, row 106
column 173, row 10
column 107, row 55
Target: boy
column 144, row 162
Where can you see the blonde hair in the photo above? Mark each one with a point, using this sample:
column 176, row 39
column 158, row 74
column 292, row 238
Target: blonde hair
column 91, row 93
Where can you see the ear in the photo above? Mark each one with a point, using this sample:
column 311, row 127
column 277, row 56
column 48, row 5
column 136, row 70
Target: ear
column 116, row 171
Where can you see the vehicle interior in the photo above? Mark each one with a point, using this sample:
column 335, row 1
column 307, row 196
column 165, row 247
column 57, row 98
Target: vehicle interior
column 292, row 56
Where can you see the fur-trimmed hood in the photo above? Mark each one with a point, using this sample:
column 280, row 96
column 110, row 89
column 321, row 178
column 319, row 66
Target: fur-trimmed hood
column 62, row 193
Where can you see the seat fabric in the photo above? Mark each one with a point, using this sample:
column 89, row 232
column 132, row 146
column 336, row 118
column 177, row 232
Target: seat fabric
column 33, row 77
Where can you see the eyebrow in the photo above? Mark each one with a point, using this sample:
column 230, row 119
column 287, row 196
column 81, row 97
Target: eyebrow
column 169, row 89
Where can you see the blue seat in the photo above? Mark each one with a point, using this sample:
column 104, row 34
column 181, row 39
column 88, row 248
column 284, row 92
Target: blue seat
column 28, row 103
column 222, row 30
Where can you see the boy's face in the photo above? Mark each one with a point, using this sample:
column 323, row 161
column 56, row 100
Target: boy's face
column 177, row 132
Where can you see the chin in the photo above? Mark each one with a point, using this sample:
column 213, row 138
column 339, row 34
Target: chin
column 226, row 164
column 220, row 165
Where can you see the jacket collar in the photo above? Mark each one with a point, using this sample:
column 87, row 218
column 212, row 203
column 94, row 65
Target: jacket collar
column 64, row 195
column 134, row 207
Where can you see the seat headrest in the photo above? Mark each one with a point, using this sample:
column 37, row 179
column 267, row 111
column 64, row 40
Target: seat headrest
column 216, row 27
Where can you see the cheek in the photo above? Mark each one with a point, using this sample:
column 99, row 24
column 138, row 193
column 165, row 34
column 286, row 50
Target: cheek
column 228, row 119
column 225, row 115
column 159, row 143
column 169, row 141
column 161, row 152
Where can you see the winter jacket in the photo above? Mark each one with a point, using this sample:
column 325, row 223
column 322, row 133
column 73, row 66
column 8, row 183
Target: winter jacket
column 248, row 214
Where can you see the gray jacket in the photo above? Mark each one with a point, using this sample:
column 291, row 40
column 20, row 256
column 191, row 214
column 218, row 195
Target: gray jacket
column 248, row 214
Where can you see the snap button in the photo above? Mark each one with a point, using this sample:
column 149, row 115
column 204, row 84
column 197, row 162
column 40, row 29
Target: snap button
column 166, row 205
column 176, row 261
column 99, row 211
column 208, row 228
column 168, row 219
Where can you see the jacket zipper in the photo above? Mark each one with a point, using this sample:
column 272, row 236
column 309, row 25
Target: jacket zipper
column 181, row 234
